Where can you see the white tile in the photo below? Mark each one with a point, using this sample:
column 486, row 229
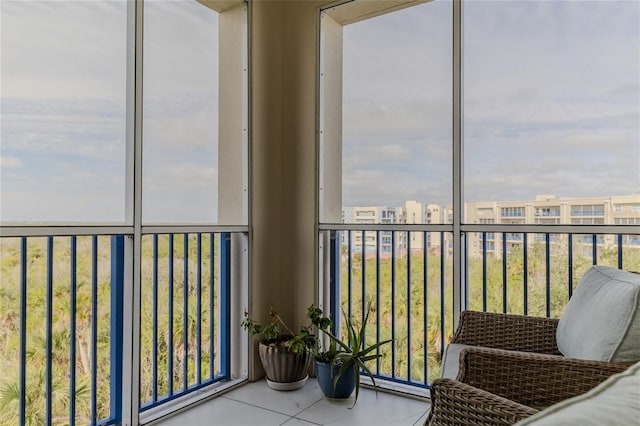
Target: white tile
column 225, row 412
column 387, row 410
column 298, row 422
column 422, row 420
column 286, row 402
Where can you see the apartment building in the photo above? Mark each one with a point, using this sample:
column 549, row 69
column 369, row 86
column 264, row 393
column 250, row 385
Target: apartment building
column 543, row 210
column 413, row 212
column 370, row 215
column 551, row 210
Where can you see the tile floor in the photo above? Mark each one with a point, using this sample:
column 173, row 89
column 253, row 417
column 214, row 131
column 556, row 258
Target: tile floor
column 256, row 404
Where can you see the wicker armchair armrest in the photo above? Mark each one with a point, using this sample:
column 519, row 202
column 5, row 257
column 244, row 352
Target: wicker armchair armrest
column 506, row 331
column 534, row 380
column 454, row 403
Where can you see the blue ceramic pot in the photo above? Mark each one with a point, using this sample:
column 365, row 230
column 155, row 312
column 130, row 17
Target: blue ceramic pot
column 345, row 386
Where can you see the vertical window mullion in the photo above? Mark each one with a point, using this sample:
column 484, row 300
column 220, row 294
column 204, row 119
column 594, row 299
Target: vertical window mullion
column 458, row 182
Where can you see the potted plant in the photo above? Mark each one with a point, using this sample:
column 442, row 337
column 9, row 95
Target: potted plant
column 338, row 368
column 285, row 355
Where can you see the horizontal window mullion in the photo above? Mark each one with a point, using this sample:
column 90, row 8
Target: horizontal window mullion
column 66, row 230
column 385, row 227
column 552, row 229
column 192, row 229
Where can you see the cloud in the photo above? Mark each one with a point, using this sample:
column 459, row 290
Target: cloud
column 551, row 102
column 78, row 49
column 10, row 162
column 63, row 102
column 78, row 134
column 78, row 194
column 60, row 207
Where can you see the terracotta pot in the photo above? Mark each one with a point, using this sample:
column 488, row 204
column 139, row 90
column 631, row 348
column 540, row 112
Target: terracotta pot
column 282, row 365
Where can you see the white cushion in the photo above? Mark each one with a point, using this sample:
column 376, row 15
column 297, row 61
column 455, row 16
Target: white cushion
column 614, row 402
column 451, row 361
column 602, row 320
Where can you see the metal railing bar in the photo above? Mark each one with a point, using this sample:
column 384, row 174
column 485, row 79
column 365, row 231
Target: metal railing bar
column 364, row 277
column 570, row 262
column 192, row 388
column 49, row 332
column 409, row 305
column 442, row 293
column 547, row 256
column 525, row 277
column 425, row 307
column 170, row 324
column 619, row 251
column 211, row 292
column 72, row 329
column 393, row 304
column 335, row 271
column 185, row 312
column 594, row 248
column 350, row 275
column 504, row 273
column 23, row 330
column 484, row 271
column 465, row 237
column 378, row 245
column 94, row 328
column 116, row 329
column 388, row 378
column 199, row 309
column 154, row 367
column 225, row 303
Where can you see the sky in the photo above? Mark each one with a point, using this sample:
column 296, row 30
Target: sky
column 63, row 105
column 551, row 106
column 551, row 102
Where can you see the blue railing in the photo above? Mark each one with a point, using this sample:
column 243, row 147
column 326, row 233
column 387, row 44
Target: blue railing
column 411, row 289
column 197, row 266
column 62, row 307
column 406, row 293
column 66, row 294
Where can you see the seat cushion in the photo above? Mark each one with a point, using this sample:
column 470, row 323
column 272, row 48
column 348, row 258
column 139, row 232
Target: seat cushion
column 602, row 320
column 614, row 402
column 451, row 361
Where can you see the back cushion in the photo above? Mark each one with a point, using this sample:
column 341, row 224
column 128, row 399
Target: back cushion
column 602, row 320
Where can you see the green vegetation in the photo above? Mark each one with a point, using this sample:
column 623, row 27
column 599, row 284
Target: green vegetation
column 36, row 329
column 408, row 311
column 408, row 299
column 61, row 309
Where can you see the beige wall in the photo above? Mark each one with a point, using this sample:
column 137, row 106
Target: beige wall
column 283, row 88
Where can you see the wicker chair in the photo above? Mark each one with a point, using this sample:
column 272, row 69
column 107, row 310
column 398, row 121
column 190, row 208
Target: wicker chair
column 513, row 371
column 510, row 366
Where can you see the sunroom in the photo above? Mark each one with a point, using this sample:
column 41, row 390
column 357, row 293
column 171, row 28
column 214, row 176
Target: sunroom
column 168, row 165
